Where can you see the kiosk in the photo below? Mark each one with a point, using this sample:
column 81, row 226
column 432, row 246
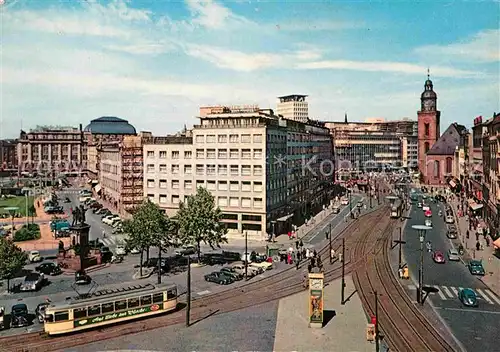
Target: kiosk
column 316, row 300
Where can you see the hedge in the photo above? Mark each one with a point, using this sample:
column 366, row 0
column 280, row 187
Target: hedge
column 27, row 233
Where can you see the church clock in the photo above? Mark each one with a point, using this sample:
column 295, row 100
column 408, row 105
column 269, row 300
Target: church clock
column 429, row 105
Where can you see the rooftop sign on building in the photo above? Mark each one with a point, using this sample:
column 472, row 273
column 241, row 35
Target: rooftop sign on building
column 478, row 120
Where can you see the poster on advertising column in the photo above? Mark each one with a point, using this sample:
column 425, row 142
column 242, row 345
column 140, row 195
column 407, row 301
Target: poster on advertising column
column 316, row 300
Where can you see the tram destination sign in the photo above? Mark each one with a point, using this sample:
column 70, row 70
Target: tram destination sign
column 118, row 315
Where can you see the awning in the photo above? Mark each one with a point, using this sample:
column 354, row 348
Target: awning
column 95, row 181
column 452, row 184
column 97, row 188
column 285, row 218
column 473, row 205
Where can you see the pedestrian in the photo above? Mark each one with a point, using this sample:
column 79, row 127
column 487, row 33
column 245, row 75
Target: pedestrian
column 467, row 234
column 487, row 241
column 297, row 244
column 289, row 235
column 315, row 254
column 299, row 255
column 297, row 263
column 332, row 255
column 309, row 267
column 478, row 245
column 313, row 262
column 103, row 234
column 301, row 244
column 308, row 253
column 477, row 236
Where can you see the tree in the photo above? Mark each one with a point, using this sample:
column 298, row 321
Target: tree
column 12, row 260
column 199, row 220
column 32, row 212
column 149, row 227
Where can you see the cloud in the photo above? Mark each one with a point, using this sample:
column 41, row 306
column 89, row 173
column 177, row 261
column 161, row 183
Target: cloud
column 143, row 49
column 323, row 26
column 483, row 46
column 212, row 15
column 384, row 66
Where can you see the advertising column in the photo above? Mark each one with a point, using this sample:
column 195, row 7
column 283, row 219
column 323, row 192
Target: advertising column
column 316, row 300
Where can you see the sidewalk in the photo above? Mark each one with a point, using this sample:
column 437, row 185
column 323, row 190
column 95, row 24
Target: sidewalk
column 491, row 263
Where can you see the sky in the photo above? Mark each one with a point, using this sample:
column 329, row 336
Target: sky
column 155, row 62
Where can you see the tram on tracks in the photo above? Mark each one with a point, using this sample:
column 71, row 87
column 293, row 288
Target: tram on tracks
column 106, row 307
column 396, row 209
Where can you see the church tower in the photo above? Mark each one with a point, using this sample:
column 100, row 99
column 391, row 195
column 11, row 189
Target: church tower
column 428, row 123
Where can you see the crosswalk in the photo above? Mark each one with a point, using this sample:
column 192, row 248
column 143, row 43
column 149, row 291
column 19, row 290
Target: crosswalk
column 108, row 241
column 68, row 192
column 451, row 292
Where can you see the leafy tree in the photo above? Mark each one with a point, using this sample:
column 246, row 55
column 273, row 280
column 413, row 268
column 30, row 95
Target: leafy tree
column 32, row 212
column 199, row 220
column 149, row 227
column 12, row 260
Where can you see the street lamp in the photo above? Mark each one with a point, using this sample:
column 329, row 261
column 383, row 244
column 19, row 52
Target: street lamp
column 12, row 212
column 421, row 229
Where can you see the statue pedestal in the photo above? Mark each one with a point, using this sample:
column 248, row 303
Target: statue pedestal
column 80, row 232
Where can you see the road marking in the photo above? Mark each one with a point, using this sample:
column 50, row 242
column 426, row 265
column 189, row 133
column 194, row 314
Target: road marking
column 455, row 291
column 493, row 296
column 447, row 292
column 412, row 287
column 468, row 310
column 440, row 293
column 484, row 296
column 206, row 292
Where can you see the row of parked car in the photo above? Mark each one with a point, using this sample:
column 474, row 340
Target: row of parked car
column 236, row 271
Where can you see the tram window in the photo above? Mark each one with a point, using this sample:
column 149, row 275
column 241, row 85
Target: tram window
column 107, row 308
column 120, row 305
column 171, row 294
column 133, row 302
column 79, row 313
column 146, row 300
column 158, row 298
column 61, row 316
column 94, row 310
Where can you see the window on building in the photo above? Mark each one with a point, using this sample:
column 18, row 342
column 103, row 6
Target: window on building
column 246, row 202
column 222, row 185
column 257, row 153
column 200, row 169
column 257, row 202
column 175, row 184
column 210, row 138
column 426, row 147
column 150, row 154
column 211, row 170
column 163, row 168
column 449, row 165
column 222, row 138
column 233, row 138
column 200, row 138
column 257, row 138
column 246, row 186
column 222, row 154
column 246, row 170
column 163, row 198
column 234, row 202
column 426, row 129
column 163, row 183
column 175, row 154
column 150, row 168
column 163, row 154
column 175, row 199
column 234, row 154
column 222, row 201
column 200, row 153
column 200, row 183
column 151, row 183
column 436, row 169
column 235, row 170
column 257, row 186
column 246, row 153
column 187, row 154
column 211, row 186
column 151, row 197
column 247, row 217
column 188, row 184
column 245, row 138
column 222, row 170
column 210, row 153
column 234, row 186
column 188, row 169
column 175, row 168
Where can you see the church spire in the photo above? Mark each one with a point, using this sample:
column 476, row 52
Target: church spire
column 428, row 73
column 345, row 118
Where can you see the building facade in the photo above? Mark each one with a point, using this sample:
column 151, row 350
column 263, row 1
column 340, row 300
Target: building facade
column 374, row 145
column 293, row 107
column 52, row 150
column 248, row 158
column 476, row 175
column 8, row 155
column 428, row 124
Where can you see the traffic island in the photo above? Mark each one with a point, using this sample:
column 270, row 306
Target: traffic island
column 146, row 272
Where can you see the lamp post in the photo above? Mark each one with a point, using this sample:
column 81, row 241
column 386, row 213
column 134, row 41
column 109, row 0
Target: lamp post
column 330, row 244
column 421, row 229
column 350, row 205
column 342, row 293
column 12, row 213
column 246, row 254
column 188, row 293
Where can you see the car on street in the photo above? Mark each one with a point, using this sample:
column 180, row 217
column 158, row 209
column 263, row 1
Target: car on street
column 262, row 265
column 229, row 272
column 2, row 315
column 33, row 282
column 344, row 201
column 360, row 204
column 453, row 255
column 67, row 200
column 438, row 257
column 468, row 297
column 49, row 268
column 34, row 257
column 106, row 254
column 336, row 209
column 108, row 220
column 219, row 278
column 121, row 249
column 428, row 222
column 19, row 316
column 82, row 278
column 451, row 234
column 135, row 250
column 241, row 267
column 476, row 268
column 40, row 312
column 452, row 227
column 419, row 205
column 186, row 250
column 449, row 219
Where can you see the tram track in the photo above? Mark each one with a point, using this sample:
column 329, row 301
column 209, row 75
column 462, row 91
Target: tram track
column 402, row 324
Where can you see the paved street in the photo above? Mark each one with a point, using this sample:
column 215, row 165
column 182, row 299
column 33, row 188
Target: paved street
column 475, row 328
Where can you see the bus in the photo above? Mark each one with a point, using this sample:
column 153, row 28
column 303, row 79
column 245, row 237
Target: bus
column 396, row 209
column 109, row 306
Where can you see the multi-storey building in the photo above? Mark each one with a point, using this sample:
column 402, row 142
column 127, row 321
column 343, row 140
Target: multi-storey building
column 375, row 144
column 475, row 182
column 294, row 107
column 8, row 155
column 249, row 159
column 121, row 173
column 52, row 150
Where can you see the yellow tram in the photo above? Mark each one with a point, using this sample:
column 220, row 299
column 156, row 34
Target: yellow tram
column 107, row 307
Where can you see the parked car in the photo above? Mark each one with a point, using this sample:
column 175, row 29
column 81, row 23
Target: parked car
column 106, row 254
column 262, row 265
column 219, row 278
column 49, row 268
column 135, row 251
column 476, row 268
column 213, row 259
column 452, row 227
column 336, row 209
column 468, row 297
column 428, row 222
column 33, row 282
column 449, row 219
column 34, row 257
column 108, row 220
column 59, row 224
column 81, row 278
column 453, row 255
column 19, row 316
column 451, row 234
column 67, row 200
column 40, row 312
column 438, row 257
column 2, row 315
column 233, row 274
column 186, row 250
column 241, row 267
column 359, row 205
column 120, row 250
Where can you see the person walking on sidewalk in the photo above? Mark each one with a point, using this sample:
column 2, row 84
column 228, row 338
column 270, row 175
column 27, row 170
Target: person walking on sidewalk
column 478, row 245
column 467, row 234
column 332, row 255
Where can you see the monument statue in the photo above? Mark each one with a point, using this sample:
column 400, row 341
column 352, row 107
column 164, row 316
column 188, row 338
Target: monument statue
column 82, row 214
column 78, row 216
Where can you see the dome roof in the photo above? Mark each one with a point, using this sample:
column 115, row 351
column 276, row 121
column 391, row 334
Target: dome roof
column 428, row 94
column 110, row 125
